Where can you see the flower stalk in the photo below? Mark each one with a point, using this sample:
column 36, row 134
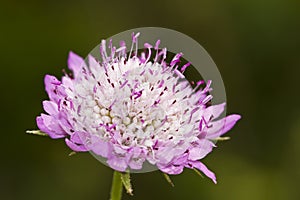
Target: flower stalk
column 116, row 187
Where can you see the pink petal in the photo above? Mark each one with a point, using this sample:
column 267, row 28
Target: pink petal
column 93, row 64
column 136, row 163
column 52, row 124
column 117, row 163
column 100, row 147
column 181, row 160
column 167, row 154
column 201, row 150
column 45, row 126
column 135, row 158
column 222, row 126
column 41, row 125
column 74, row 146
column 50, row 107
column 119, row 149
column 67, row 82
column 171, row 169
column 78, row 137
column 215, row 111
column 75, row 63
column 200, row 166
column 64, row 122
column 51, row 86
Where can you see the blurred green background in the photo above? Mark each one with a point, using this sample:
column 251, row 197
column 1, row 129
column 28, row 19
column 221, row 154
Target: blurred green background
column 255, row 44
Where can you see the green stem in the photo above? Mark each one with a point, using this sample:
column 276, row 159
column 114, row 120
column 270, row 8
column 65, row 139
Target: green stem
column 116, row 187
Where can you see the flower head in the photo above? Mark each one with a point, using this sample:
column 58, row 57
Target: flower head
column 133, row 108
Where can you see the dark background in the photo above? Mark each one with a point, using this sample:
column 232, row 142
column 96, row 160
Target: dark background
column 255, row 45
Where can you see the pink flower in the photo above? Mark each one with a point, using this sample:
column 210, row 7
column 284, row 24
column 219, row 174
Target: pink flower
column 133, row 109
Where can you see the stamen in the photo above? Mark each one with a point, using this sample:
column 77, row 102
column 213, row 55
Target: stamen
column 125, row 82
column 176, row 59
column 161, row 83
column 183, row 68
column 192, row 112
column 179, row 73
column 103, row 51
column 207, row 99
column 148, row 46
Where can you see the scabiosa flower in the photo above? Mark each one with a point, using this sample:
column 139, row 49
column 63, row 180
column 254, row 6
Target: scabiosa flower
column 133, row 108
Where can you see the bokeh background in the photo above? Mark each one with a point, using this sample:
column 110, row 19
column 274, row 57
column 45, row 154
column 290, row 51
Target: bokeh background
column 255, row 44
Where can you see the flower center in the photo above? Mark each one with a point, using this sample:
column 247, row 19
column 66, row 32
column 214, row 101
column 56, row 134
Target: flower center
column 136, row 110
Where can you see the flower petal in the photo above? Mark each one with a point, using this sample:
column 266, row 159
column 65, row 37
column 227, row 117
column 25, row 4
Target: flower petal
column 200, row 166
column 67, row 82
column 45, row 124
column 214, row 110
column 51, row 84
column 117, row 163
column 222, row 126
column 75, row 63
column 171, row 169
column 201, row 150
column 101, row 148
column 136, row 163
column 166, row 155
column 50, row 107
column 135, row 158
column 74, row 146
column 93, row 65
column 78, row 137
